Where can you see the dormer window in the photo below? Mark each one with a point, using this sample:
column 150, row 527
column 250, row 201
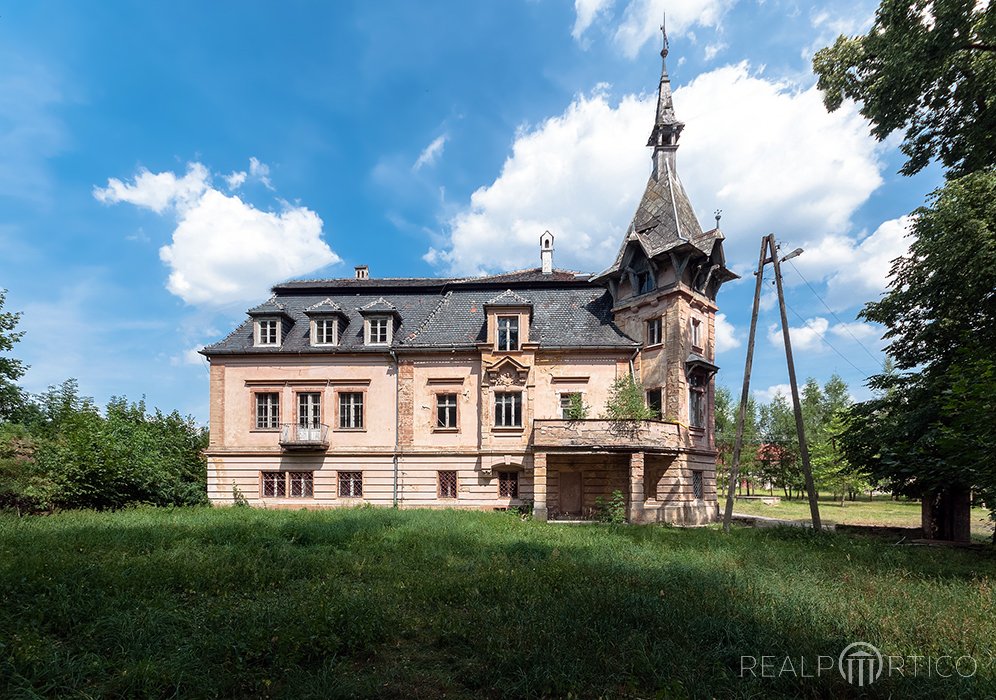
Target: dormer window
column 325, row 331
column 508, row 333
column 268, row 331
column 644, row 282
column 379, row 330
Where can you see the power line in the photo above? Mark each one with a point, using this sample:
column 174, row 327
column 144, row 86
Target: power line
column 843, row 325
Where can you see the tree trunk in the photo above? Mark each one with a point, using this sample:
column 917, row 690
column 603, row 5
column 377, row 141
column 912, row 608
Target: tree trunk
column 947, row 514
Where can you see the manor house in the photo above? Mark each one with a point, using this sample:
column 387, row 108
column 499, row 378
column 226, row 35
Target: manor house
column 486, row 392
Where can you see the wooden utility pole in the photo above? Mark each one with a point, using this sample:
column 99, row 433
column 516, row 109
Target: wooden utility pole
column 807, row 471
column 745, row 394
column 769, row 247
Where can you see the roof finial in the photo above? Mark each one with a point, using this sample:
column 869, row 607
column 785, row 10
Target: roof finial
column 664, row 48
column 719, row 215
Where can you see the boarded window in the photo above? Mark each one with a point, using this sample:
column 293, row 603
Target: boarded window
column 697, row 485
column 446, row 410
column 267, row 410
column 447, row 484
column 274, row 485
column 351, row 410
column 350, row 484
column 508, row 484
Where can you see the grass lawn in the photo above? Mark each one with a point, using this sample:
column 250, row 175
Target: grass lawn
column 882, row 510
column 431, row 604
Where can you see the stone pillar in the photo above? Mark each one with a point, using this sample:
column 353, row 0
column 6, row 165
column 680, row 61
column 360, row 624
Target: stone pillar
column 539, row 486
column 406, row 403
column 636, row 497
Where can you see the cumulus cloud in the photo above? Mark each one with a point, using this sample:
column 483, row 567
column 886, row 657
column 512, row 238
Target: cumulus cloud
column 586, row 11
column 726, row 334
column 806, row 337
column 857, row 330
column 236, row 179
column 431, row 153
column 766, row 395
column 260, row 171
column 580, row 174
column 224, row 249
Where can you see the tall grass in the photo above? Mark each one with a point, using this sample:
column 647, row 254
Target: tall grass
column 426, row 604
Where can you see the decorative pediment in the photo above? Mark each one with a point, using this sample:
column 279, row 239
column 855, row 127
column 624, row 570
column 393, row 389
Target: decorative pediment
column 327, row 307
column 507, row 372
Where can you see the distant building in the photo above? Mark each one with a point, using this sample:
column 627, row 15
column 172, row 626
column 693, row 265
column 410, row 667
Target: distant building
column 464, row 392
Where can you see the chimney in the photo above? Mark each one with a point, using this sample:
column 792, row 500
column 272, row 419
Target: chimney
column 546, row 252
column 362, row 272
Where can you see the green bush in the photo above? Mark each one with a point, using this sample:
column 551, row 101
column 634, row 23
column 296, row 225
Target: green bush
column 612, row 510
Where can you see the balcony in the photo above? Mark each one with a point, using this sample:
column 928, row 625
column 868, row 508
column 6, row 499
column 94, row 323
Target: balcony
column 304, row 437
column 608, row 435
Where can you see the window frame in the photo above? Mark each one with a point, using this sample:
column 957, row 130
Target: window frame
column 505, row 480
column 659, row 391
column 443, row 396
column 698, row 387
column 319, row 331
column 504, row 337
column 695, row 333
column 516, row 404
column 277, row 332
column 443, row 489
column 565, row 402
column 368, row 324
column 340, row 395
column 298, row 406
column 657, row 338
column 284, row 482
column 275, row 415
column 351, row 477
column 698, row 485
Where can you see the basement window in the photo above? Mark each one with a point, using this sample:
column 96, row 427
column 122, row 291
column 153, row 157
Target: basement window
column 447, row 481
column 350, row 484
column 508, row 484
column 697, row 485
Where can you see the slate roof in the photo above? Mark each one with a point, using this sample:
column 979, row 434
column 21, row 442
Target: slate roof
column 571, row 313
column 508, row 298
column 379, row 306
column 325, row 306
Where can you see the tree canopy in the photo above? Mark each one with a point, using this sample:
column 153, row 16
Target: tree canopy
column 926, row 68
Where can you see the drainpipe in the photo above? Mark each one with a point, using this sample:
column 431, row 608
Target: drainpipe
column 397, row 423
column 632, row 368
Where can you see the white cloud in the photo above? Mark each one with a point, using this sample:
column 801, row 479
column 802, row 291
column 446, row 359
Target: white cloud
column 580, row 174
column 726, row 334
column 236, row 179
column 806, row 337
column 856, row 330
column 224, row 250
column 190, row 356
column 712, row 50
column 431, row 153
column 587, row 11
column 641, row 20
column 260, row 171
column 766, row 395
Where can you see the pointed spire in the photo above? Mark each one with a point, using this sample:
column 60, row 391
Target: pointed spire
column 667, row 128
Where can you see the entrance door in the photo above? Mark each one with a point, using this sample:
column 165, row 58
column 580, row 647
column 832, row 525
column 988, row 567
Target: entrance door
column 309, row 417
column 570, row 493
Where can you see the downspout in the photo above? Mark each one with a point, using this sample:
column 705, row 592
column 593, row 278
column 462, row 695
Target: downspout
column 632, row 368
column 397, row 423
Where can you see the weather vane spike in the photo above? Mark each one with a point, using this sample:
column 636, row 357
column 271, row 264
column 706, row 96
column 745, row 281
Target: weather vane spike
column 719, row 215
column 664, row 33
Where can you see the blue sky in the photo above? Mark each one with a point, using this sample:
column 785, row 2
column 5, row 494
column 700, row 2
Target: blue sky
column 164, row 163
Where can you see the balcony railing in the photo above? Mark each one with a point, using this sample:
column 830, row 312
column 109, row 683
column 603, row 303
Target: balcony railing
column 294, row 436
column 646, row 435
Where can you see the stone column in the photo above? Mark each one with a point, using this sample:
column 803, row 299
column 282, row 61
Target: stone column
column 539, row 486
column 636, row 497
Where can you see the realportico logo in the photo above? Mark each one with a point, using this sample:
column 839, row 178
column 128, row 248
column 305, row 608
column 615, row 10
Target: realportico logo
column 860, row 664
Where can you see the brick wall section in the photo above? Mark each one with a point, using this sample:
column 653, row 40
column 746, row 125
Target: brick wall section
column 216, row 421
column 406, row 403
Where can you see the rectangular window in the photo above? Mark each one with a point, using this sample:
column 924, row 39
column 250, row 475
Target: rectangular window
column 326, row 331
column 350, row 484
column 697, row 485
column 269, row 331
column 696, row 401
column 309, row 409
column 447, row 484
column 508, row 484
column 570, row 405
column 645, row 283
column 653, row 334
column 267, row 410
column 379, row 331
column 446, row 410
column 696, row 333
column 655, row 401
column 508, row 333
column 351, row 410
column 508, row 409
column 302, row 484
column 274, row 485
